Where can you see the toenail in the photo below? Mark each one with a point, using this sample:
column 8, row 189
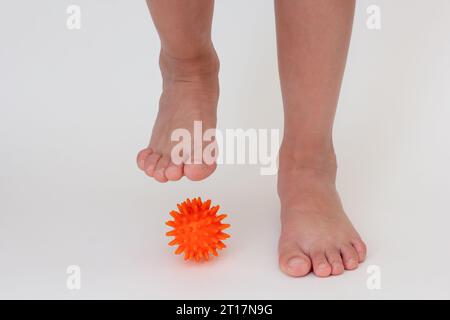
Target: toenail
column 295, row 262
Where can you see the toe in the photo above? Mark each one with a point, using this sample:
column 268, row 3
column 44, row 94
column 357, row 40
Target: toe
column 349, row 256
column 174, row 172
column 293, row 261
column 142, row 156
column 335, row 260
column 360, row 248
column 159, row 173
column 196, row 172
column 150, row 163
column 320, row 264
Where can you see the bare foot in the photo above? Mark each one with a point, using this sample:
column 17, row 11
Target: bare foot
column 190, row 93
column 316, row 233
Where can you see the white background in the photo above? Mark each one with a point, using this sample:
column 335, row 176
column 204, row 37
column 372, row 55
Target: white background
column 76, row 106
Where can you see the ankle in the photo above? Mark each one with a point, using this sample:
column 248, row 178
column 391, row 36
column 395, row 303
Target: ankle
column 312, row 158
column 204, row 65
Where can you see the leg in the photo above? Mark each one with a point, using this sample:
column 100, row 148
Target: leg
column 313, row 38
column 189, row 68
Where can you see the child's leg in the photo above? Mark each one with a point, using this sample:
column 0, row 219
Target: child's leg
column 313, row 37
column 189, row 68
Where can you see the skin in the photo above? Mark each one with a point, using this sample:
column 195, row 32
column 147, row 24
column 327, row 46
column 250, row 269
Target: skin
column 189, row 68
column 313, row 38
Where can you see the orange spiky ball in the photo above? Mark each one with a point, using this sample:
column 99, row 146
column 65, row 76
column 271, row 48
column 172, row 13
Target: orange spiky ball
column 197, row 229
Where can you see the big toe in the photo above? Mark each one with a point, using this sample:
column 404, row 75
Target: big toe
column 196, row 172
column 293, row 261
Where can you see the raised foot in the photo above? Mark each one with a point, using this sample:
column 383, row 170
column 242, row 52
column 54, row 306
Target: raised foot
column 190, row 93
